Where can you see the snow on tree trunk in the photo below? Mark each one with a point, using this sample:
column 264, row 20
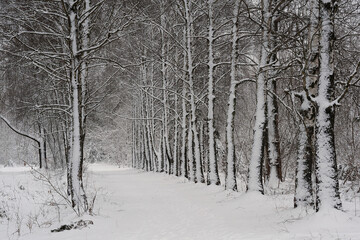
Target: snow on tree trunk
column 326, row 166
column 230, row 180
column 183, row 169
column 145, row 139
column 255, row 169
column 213, row 175
column 167, row 156
column 303, row 178
column 199, row 176
column 272, row 143
column 204, row 161
column 78, row 194
column 176, row 133
column 161, row 153
column 151, row 122
column 190, row 153
column 147, row 129
column 273, row 138
column 306, row 151
column 85, row 39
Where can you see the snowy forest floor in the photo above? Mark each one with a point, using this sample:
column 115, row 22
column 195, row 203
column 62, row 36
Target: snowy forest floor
column 131, row 204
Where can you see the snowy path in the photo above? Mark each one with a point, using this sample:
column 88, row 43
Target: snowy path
column 134, row 205
column 154, row 206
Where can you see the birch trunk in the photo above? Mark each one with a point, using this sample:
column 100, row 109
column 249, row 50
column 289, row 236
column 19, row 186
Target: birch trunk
column 303, row 178
column 176, row 134
column 255, row 182
column 213, row 174
column 326, row 166
column 273, row 138
column 78, row 194
column 167, row 150
column 85, row 40
column 306, row 152
column 190, row 153
column 184, row 165
column 272, row 133
column 199, row 175
column 230, row 180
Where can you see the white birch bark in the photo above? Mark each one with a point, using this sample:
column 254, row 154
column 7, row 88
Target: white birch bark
column 167, row 151
column 176, row 134
column 79, row 197
column 84, row 65
column 303, row 187
column 151, row 122
column 273, row 153
column 272, row 106
column 183, row 120
column 255, row 169
column 190, row 153
column 213, row 175
column 305, row 159
column 199, row 176
column 326, row 168
column 230, row 180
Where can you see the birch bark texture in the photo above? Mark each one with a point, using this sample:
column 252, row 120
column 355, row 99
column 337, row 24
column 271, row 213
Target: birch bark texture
column 194, row 136
column 213, row 174
column 230, row 179
column 326, row 166
column 255, row 182
column 306, row 150
column 78, row 195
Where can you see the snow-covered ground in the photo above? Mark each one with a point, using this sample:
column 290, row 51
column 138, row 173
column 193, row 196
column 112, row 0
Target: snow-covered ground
column 131, row 204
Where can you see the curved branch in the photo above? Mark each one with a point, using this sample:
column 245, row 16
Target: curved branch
column 18, row 131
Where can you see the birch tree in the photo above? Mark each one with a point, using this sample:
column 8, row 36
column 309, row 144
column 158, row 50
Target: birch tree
column 213, row 175
column 306, row 151
column 326, row 165
column 230, row 181
column 194, row 150
column 273, row 139
column 255, row 182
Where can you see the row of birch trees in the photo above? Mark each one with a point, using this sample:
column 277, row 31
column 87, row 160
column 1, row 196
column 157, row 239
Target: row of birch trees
column 236, row 92
column 199, row 50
